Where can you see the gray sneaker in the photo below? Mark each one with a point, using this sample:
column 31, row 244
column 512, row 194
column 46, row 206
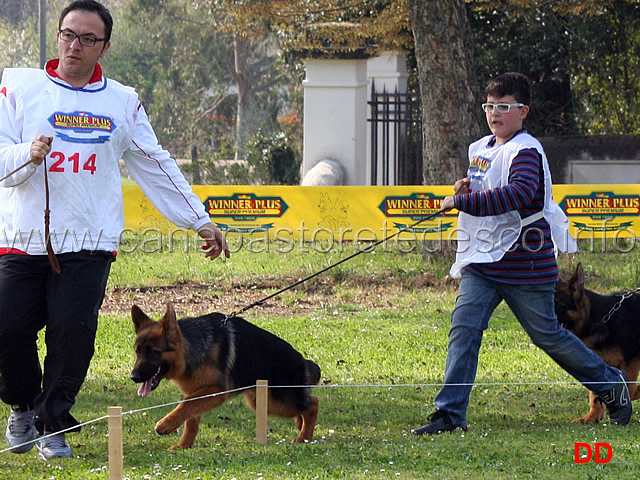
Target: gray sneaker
column 618, row 402
column 53, row 445
column 20, row 432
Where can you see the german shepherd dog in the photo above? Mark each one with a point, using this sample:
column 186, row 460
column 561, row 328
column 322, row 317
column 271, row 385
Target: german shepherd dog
column 616, row 340
column 211, row 354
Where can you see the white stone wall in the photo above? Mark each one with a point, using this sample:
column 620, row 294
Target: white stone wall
column 336, row 111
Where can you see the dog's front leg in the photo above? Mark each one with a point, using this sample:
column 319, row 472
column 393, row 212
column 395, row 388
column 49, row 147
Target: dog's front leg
column 190, row 408
column 596, row 411
column 191, row 427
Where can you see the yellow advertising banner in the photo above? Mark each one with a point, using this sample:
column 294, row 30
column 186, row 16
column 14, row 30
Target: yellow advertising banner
column 297, row 214
column 599, row 211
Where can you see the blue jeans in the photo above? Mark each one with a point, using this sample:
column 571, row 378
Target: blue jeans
column 533, row 306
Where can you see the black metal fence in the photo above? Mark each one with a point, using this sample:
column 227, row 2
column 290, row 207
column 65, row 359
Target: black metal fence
column 396, row 138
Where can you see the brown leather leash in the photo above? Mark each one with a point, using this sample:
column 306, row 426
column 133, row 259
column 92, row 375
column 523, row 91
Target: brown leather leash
column 53, row 260
column 15, row 171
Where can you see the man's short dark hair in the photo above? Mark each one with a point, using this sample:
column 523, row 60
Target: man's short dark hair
column 94, row 7
column 511, row 83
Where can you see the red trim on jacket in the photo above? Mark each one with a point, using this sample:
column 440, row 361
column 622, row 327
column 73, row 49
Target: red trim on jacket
column 53, row 64
column 11, row 251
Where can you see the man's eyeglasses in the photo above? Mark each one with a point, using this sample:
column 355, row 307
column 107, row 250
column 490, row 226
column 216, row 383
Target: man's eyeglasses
column 85, row 40
column 500, row 107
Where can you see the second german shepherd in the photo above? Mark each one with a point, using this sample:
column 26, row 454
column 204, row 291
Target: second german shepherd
column 616, row 340
column 212, row 354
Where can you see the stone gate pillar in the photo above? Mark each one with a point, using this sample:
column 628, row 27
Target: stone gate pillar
column 335, row 116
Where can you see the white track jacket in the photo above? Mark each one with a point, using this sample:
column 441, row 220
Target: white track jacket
column 92, row 129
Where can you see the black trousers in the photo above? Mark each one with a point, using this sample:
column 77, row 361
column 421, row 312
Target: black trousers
column 32, row 297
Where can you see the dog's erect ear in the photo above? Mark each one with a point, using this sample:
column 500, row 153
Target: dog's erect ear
column 170, row 324
column 579, row 276
column 140, row 319
column 576, row 284
column 169, row 315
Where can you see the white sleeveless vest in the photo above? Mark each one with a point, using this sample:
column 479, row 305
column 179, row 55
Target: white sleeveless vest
column 486, row 239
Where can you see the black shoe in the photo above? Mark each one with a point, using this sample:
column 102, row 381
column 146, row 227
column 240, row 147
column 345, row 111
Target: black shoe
column 618, row 402
column 439, row 422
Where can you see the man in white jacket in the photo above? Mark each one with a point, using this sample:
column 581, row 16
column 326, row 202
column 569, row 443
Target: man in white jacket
column 69, row 126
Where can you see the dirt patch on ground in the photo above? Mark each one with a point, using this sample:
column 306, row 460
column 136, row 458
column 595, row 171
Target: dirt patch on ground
column 188, row 298
column 192, row 298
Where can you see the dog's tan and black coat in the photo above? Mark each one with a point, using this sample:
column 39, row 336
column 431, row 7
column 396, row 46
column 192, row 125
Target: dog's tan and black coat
column 212, row 354
column 614, row 337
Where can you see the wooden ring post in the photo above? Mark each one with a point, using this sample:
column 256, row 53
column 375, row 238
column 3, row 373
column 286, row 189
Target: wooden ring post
column 261, row 411
column 115, row 443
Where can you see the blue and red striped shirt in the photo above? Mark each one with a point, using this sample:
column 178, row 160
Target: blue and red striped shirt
column 532, row 258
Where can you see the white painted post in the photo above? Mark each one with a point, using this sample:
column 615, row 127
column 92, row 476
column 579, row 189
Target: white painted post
column 388, row 70
column 335, row 116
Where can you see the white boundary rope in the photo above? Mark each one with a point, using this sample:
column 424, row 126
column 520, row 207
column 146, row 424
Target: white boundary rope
column 238, row 390
column 130, row 412
column 52, row 434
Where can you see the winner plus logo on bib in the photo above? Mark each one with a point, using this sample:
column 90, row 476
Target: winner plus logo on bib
column 82, row 127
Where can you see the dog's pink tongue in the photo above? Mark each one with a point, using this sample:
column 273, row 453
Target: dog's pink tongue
column 145, row 389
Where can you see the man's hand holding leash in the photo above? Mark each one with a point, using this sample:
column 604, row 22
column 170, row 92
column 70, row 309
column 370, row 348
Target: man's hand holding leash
column 40, row 148
column 214, row 242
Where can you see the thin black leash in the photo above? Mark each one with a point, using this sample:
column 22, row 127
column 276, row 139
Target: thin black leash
column 368, row 249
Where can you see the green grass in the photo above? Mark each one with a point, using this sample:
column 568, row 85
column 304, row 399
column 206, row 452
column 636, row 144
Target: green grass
column 381, row 368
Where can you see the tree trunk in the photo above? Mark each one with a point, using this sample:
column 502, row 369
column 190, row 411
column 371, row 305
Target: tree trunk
column 246, row 117
column 15, row 11
column 451, row 112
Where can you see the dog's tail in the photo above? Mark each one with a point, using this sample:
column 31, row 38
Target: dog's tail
column 313, row 372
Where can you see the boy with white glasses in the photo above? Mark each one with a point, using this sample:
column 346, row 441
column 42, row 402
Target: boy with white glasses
column 509, row 228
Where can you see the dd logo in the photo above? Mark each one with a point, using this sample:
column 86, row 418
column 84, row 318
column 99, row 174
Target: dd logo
column 595, row 453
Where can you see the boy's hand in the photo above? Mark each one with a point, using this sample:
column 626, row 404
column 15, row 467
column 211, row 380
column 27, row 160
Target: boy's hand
column 461, row 186
column 447, row 203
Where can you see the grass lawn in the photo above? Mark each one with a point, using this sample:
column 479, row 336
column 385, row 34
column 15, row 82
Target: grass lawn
column 377, row 326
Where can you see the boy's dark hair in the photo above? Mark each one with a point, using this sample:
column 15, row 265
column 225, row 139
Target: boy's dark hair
column 94, row 7
column 511, row 83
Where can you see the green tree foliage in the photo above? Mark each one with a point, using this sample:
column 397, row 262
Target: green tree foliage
column 606, row 67
column 196, row 64
column 582, row 56
column 272, row 160
column 531, row 40
column 175, row 61
column 245, row 58
column 15, row 11
column 20, row 46
column 296, row 29
column 20, row 31
column 324, row 27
